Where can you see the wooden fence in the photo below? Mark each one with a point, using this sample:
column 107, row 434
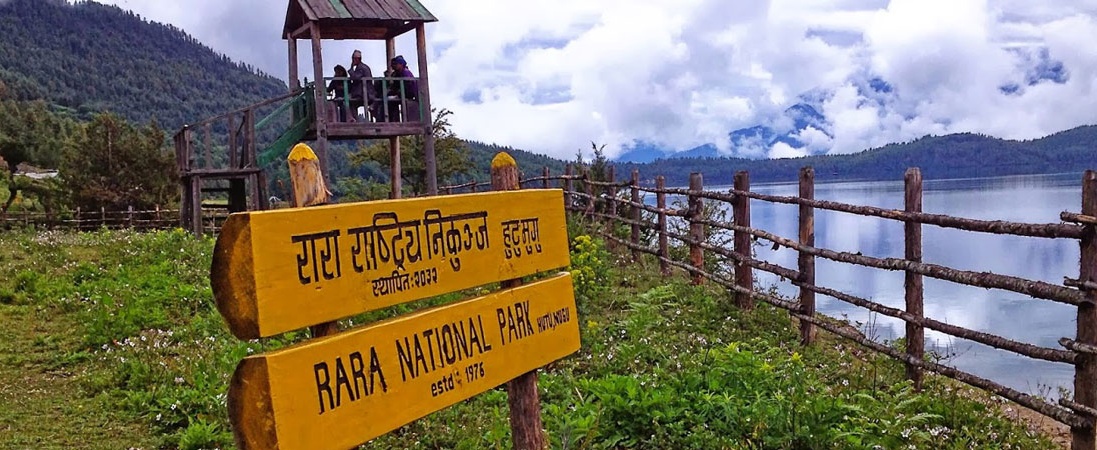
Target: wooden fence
column 85, row 220
column 620, row 203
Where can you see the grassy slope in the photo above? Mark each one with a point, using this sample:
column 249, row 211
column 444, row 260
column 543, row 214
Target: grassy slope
column 110, row 341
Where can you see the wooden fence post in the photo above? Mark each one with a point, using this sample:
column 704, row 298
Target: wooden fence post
column 744, row 276
column 309, row 189
column 634, row 236
column 611, row 196
column 522, row 395
column 1085, row 366
column 590, row 193
column 129, row 216
column 79, row 226
column 913, row 283
column 103, row 217
column 696, row 228
column 806, row 262
column 545, row 172
column 567, row 186
column 661, row 203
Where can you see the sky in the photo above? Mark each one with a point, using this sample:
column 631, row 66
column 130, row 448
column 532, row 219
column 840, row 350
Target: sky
column 553, row 76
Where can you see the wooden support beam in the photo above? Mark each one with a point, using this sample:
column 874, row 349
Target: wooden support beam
column 195, row 224
column 696, row 228
column 309, row 189
column 567, row 185
column 207, row 142
column 1085, row 366
column 425, row 111
column 396, row 172
column 744, row 275
column 294, row 81
column 320, row 94
column 634, row 235
column 233, row 143
column 661, row 204
column 522, row 395
column 916, row 335
column 806, row 262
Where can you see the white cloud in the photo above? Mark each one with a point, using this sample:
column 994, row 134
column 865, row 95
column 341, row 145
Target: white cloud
column 783, row 150
column 553, row 75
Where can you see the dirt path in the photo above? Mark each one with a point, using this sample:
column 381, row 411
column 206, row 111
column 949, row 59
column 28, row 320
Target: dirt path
column 42, row 402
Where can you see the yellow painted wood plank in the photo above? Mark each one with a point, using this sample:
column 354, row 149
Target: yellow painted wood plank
column 281, row 270
column 339, row 391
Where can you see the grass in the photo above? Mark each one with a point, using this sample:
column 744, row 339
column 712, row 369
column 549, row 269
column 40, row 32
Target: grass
column 111, row 340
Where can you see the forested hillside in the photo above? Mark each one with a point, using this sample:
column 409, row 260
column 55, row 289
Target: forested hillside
column 87, row 57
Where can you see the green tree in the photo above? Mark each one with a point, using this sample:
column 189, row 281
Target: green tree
column 450, row 152
column 31, row 134
column 115, row 165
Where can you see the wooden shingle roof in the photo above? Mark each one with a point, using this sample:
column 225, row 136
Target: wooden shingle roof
column 355, row 19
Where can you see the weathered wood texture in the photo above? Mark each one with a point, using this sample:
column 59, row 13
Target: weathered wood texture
column 916, row 335
column 395, row 170
column 634, row 235
column 309, row 190
column 661, row 203
column 266, row 263
column 522, row 396
column 806, row 262
column 610, row 191
column 429, row 158
column 744, row 277
column 306, row 177
column 340, row 391
column 1085, row 375
column 696, row 228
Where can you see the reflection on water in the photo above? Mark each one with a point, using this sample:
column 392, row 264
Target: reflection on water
column 1034, row 199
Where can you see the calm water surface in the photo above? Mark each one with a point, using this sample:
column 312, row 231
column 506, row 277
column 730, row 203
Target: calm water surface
column 1033, row 199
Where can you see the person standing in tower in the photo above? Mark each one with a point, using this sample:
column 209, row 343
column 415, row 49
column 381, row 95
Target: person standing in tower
column 361, row 89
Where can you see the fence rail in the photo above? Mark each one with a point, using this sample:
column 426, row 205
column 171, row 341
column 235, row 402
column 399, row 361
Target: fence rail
column 89, row 220
column 618, row 202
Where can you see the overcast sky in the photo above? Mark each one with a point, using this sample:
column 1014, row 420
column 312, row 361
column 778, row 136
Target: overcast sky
column 553, row 75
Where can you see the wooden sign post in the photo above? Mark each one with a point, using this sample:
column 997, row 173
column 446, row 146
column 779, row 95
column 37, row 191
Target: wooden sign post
column 340, row 391
column 283, row 270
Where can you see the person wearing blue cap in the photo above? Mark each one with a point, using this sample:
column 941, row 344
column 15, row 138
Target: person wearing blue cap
column 406, row 92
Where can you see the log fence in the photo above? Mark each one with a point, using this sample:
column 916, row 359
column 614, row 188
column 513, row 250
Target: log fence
column 91, row 220
column 619, row 203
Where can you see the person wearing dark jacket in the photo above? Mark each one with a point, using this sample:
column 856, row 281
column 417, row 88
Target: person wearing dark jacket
column 339, row 88
column 361, row 93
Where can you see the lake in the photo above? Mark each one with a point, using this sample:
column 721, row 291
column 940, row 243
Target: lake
column 1033, row 199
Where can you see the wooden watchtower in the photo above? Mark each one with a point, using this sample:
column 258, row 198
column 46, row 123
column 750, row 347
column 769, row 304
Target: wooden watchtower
column 393, row 113
column 221, row 159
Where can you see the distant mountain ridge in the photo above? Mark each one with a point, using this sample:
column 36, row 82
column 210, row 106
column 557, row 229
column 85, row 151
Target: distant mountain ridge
column 961, row 155
column 803, row 128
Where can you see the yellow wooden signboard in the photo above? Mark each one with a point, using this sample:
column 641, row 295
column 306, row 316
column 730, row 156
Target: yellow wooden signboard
column 340, row 391
column 281, row 270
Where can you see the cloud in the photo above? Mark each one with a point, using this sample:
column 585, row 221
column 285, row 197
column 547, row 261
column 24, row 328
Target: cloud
column 553, row 75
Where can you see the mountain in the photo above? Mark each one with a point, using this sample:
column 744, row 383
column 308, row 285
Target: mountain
column 952, row 156
column 803, row 128
column 795, row 127
column 87, row 57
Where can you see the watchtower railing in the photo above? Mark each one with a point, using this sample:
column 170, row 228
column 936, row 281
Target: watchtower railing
column 241, row 140
column 385, row 98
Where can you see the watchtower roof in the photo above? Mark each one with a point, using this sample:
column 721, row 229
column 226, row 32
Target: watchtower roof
column 354, row 19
